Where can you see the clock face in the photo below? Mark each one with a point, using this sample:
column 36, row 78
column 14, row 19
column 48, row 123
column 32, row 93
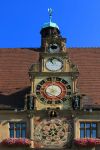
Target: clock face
column 54, row 64
column 53, row 48
column 53, row 90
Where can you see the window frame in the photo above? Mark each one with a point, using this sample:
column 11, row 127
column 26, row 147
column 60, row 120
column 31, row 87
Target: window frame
column 15, row 129
column 91, row 128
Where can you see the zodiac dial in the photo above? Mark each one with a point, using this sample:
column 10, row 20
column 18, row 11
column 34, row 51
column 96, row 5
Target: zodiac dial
column 53, row 90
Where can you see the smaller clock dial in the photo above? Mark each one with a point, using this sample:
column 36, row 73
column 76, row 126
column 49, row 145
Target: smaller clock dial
column 54, row 64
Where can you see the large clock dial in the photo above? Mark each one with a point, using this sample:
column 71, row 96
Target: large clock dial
column 53, row 90
column 54, row 64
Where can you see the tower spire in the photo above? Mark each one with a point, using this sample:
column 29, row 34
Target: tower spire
column 49, row 26
column 50, row 13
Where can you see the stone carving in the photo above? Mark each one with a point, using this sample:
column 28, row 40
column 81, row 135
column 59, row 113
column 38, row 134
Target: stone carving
column 53, row 133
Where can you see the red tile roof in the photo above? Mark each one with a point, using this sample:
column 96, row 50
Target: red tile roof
column 88, row 61
column 15, row 63
column 14, row 66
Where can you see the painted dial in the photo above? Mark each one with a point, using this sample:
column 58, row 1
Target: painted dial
column 54, row 64
column 53, row 48
column 53, row 90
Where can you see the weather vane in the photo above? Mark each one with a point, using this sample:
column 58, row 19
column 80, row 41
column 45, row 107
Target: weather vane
column 50, row 13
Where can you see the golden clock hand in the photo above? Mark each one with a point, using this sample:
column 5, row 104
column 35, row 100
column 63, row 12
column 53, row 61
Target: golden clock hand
column 53, row 95
column 50, row 93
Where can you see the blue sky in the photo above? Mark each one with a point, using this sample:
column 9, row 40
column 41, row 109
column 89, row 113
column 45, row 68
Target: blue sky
column 21, row 22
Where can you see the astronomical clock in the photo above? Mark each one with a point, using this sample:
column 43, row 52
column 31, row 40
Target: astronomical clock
column 53, row 83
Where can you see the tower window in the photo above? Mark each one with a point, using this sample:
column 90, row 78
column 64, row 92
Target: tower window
column 17, row 129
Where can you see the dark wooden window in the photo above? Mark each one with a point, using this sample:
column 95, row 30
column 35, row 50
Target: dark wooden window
column 88, row 129
column 17, row 129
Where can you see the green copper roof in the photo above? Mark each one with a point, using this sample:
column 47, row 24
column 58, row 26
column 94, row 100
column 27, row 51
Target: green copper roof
column 50, row 24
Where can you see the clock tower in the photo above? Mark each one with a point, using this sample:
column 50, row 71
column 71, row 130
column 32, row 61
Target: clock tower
column 53, row 86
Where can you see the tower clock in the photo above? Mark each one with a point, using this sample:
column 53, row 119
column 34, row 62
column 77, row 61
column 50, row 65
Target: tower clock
column 53, row 83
